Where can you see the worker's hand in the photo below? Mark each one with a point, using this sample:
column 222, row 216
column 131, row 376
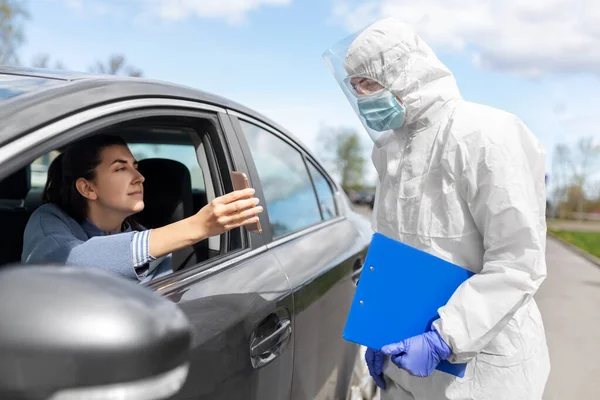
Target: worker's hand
column 375, row 359
column 228, row 212
column 419, row 355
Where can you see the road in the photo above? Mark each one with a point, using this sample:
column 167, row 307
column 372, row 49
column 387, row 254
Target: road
column 569, row 300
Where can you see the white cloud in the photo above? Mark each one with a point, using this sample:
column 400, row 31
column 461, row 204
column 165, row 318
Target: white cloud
column 90, row 9
column 528, row 37
column 233, row 11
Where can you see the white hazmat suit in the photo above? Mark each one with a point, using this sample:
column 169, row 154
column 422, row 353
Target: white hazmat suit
column 464, row 182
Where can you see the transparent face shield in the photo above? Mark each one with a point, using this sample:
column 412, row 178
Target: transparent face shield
column 378, row 109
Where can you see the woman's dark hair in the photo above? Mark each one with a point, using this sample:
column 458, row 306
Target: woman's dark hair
column 79, row 160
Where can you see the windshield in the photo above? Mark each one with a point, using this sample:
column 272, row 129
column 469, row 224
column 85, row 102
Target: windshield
column 15, row 85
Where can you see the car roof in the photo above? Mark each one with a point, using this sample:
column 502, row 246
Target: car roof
column 60, row 74
column 73, row 91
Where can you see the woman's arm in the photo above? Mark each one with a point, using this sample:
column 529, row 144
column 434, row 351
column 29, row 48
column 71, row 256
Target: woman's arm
column 224, row 213
column 52, row 237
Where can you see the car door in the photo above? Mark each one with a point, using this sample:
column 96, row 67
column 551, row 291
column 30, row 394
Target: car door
column 240, row 302
column 241, row 309
column 320, row 251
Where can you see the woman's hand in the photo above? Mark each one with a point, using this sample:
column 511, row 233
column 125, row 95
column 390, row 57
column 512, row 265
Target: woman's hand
column 228, row 212
column 224, row 213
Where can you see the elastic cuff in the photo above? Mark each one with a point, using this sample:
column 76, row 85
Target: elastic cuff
column 441, row 346
column 140, row 245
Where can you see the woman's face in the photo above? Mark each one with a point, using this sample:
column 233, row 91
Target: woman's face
column 118, row 186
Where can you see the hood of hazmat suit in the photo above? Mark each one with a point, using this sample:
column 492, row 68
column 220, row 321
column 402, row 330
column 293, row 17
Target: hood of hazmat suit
column 464, row 182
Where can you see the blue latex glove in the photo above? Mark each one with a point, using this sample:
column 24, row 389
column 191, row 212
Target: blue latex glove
column 419, row 355
column 375, row 359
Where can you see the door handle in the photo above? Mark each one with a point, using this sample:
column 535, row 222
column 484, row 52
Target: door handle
column 269, row 343
column 263, row 350
column 356, row 271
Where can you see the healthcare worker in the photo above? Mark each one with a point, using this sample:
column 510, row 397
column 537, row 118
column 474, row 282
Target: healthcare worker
column 464, row 182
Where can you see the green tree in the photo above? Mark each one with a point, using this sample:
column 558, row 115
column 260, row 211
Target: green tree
column 343, row 149
column 587, row 159
column 561, row 170
column 116, row 65
column 573, row 170
column 12, row 16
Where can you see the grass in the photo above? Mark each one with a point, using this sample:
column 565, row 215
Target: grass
column 588, row 241
column 558, row 222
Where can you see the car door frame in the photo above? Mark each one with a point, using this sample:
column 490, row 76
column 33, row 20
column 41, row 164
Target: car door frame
column 351, row 267
column 57, row 133
column 235, row 118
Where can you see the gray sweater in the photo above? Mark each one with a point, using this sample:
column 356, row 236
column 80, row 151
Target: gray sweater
column 52, row 236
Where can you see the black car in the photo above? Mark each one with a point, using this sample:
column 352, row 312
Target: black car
column 243, row 316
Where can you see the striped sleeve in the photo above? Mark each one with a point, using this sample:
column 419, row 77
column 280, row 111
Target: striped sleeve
column 140, row 245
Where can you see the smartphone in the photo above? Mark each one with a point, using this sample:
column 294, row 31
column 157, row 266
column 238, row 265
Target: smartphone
column 240, row 182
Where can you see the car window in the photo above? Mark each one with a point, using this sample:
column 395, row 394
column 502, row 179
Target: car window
column 290, row 198
column 324, row 193
column 39, row 169
column 183, row 153
column 15, row 85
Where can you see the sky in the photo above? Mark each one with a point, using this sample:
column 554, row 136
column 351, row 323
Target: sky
column 538, row 59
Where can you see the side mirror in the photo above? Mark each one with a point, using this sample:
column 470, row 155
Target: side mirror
column 71, row 333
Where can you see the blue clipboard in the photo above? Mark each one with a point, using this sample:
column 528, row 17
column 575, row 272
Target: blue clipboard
column 398, row 295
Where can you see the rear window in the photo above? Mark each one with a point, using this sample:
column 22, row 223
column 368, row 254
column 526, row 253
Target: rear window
column 15, row 85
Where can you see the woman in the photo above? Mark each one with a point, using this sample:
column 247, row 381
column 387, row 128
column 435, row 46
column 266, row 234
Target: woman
column 92, row 191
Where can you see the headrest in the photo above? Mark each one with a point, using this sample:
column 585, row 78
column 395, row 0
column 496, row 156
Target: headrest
column 17, row 185
column 167, row 192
